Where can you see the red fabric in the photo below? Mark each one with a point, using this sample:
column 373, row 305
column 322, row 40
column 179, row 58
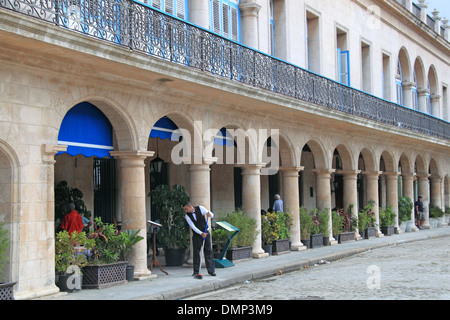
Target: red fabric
column 72, row 222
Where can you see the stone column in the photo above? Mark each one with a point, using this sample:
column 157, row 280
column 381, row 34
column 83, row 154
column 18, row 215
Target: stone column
column 407, row 93
column 291, row 203
column 249, row 23
column 350, row 191
column 323, row 195
column 132, row 175
column 199, row 13
column 251, row 199
column 48, row 157
column 422, row 97
column 423, row 186
column 435, row 108
column 372, row 194
column 392, row 194
column 435, row 192
column 408, row 191
column 200, row 190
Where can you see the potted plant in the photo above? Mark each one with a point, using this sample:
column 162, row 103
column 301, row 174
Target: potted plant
column 131, row 238
column 367, row 221
column 306, row 225
column 336, row 223
column 316, row 235
column 323, row 217
column 386, row 220
column 269, row 230
column 70, row 257
column 6, row 288
column 436, row 214
column 241, row 244
column 405, row 207
column 104, row 268
column 281, row 245
column 173, row 235
column 349, row 224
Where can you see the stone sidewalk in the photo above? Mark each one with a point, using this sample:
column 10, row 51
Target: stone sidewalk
column 180, row 284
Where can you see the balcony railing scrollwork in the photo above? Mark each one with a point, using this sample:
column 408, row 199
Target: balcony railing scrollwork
column 141, row 28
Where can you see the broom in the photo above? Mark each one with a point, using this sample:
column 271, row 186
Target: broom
column 199, row 276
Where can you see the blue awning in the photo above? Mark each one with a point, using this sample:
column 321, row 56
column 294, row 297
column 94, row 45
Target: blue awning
column 87, row 131
column 164, row 128
column 223, row 137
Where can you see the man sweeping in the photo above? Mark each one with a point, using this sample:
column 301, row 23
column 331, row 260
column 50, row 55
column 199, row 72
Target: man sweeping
column 197, row 218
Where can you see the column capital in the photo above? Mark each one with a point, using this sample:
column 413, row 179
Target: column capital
column 349, row 174
column 394, row 174
column 372, row 173
column 421, row 176
column 132, row 154
column 249, row 8
column 321, row 172
column 249, row 167
column 199, row 160
column 50, row 150
column 291, row 170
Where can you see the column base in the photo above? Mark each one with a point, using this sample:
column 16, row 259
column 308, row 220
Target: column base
column 298, row 247
column 259, row 255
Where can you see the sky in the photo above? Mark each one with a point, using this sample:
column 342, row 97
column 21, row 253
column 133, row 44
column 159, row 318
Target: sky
column 443, row 6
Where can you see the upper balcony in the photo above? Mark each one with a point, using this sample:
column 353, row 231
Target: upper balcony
column 141, row 28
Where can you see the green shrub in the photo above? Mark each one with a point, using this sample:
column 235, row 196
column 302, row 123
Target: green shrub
column 405, row 206
column 247, row 228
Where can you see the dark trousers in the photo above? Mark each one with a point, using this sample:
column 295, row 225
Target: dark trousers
column 197, row 242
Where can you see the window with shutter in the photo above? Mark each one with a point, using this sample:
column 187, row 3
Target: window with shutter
column 216, row 16
column 225, row 18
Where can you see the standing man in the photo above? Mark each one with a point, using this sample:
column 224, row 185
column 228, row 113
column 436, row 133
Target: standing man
column 196, row 218
column 278, row 204
column 419, row 212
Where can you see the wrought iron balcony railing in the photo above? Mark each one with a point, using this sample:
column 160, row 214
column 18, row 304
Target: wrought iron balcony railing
column 139, row 27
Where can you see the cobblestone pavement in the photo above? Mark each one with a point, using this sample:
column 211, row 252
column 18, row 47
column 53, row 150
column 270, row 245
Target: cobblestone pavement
column 419, row 270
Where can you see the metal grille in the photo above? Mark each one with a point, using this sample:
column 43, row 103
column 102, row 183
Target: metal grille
column 101, row 276
column 139, row 27
column 105, row 189
column 7, row 291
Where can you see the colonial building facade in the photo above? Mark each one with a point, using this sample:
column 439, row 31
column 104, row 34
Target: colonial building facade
column 327, row 103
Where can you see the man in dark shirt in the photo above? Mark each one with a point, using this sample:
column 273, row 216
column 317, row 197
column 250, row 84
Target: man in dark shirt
column 419, row 212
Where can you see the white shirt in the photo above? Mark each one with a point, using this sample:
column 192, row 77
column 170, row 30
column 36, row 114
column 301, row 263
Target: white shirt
column 204, row 211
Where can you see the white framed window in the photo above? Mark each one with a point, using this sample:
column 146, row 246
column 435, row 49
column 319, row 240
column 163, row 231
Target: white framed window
column 225, row 18
column 415, row 96
column 399, row 83
column 177, row 8
column 344, row 66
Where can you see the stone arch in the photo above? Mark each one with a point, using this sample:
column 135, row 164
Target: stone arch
column 9, row 206
column 387, row 163
column 370, row 162
column 420, row 165
column 433, row 80
column 405, row 163
column 346, row 158
column 319, row 154
column 125, row 129
column 419, row 69
column 405, row 62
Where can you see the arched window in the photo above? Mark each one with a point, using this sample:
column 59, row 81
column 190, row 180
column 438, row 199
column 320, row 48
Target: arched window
column 428, row 98
column 399, row 83
column 415, row 97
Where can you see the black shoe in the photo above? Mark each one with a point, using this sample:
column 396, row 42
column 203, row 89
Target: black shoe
column 194, row 274
column 212, row 274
